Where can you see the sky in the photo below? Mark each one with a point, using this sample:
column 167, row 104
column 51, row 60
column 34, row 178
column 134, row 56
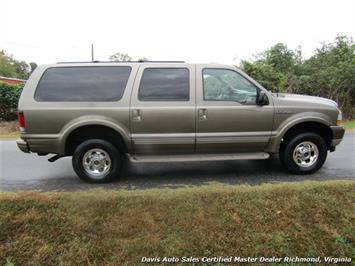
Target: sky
column 219, row 31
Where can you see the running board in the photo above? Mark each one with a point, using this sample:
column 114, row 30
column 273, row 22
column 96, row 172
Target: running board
column 198, row 157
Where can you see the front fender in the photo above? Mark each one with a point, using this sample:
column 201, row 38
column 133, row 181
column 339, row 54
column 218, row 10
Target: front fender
column 281, row 129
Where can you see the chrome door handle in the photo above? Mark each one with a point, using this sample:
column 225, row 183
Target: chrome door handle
column 136, row 115
column 202, row 114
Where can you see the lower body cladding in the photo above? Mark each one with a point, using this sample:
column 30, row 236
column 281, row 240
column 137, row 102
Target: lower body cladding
column 198, row 157
column 200, row 143
column 24, row 147
column 41, row 144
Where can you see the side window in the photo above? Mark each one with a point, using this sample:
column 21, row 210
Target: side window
column 83, row 84
column 164, row 84
column 227, row 85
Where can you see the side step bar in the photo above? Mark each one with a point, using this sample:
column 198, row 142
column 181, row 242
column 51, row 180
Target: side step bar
column 198, row 157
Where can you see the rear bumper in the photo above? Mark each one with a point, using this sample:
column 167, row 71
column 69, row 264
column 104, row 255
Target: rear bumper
column 41, row 144
column 338, row 134
column 23, row 146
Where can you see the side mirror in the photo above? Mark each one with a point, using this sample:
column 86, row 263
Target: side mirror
column 262, row 98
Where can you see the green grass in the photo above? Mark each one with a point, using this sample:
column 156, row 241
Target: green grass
column 350, row 124
column 101, row 227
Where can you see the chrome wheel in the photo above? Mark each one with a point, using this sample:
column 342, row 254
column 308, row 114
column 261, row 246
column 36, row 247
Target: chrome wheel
column 96, row 163
column 305, row 154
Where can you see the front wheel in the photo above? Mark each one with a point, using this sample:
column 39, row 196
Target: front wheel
column 304, row 153
column 96, row 161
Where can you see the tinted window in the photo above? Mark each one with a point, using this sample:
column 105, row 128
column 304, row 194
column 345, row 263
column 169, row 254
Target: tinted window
column 227, row 85
column 164, row 84
column 78, row 84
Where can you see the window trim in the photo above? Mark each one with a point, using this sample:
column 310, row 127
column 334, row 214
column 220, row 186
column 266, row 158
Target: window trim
column 61, row 101
column 141, row 79
column 232, row 70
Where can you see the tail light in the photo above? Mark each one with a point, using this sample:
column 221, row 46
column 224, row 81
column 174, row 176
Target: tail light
column 21, row 121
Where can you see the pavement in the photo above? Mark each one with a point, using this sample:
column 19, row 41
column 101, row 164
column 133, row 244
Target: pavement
column 21, row 171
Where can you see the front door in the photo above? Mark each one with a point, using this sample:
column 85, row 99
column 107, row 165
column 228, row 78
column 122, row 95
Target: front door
column 228, row 118
column 162, row 110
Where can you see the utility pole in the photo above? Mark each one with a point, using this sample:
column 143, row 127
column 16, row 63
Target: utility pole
column 92, row 52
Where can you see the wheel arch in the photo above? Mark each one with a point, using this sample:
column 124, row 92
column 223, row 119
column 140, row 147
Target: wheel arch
column 99, row 128
column 317, row 125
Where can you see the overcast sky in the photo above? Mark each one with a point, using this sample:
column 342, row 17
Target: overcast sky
column 221, row 31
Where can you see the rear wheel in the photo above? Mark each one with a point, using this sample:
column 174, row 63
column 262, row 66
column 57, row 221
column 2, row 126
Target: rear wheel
column 97, row 161
column 304, row 153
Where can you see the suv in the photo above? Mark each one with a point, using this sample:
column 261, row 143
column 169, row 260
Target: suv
column 98, row 112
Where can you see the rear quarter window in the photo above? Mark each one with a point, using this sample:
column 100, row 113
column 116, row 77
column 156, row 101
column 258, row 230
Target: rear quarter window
column 164, row 84
column 82, row 84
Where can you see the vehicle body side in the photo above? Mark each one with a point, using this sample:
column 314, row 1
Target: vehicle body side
column 174, row 127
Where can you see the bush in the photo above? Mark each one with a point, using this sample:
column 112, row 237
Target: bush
column 9, row 97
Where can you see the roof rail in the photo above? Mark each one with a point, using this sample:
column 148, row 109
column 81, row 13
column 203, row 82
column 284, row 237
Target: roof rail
column 140, row 61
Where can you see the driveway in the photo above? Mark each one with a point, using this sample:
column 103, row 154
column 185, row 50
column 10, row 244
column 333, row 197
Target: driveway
column 20, row 171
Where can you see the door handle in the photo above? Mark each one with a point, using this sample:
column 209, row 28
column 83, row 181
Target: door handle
column 136, row 115
column 202, row 114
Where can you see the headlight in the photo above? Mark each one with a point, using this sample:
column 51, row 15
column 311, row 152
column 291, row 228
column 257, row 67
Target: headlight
column 339, row 119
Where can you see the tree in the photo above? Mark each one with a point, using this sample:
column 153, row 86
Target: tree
column 33, row 66
column 143, row 59
column 272, row 68
column 7, row 69
column 265, row 74
column 329, row 72
column 120, row 57
column 280, row 58
column 23, row 69
column 10, row 67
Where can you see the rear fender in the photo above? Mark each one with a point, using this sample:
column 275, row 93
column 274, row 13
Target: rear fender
column 91, row 120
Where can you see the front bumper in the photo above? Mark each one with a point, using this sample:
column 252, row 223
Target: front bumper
column 23, row 146
column 338, row 134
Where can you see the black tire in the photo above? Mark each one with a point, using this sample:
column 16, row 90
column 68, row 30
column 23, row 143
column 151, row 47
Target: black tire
column 287, row 151
column 99, row 147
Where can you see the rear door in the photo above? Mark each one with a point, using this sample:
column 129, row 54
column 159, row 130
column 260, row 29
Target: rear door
column 228, row 118
column 162, row 110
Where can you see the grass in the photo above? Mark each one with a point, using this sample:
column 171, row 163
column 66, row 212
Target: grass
column 350, row 124
column 101, row 227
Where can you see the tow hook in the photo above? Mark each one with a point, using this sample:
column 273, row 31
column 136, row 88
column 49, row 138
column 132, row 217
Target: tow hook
column 54, row 158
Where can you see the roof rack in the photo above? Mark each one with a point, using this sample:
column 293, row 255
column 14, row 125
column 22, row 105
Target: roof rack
column 118, row 62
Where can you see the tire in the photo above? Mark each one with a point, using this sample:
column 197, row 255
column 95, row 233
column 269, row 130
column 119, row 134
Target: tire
column 304, row 153
column 97, row 161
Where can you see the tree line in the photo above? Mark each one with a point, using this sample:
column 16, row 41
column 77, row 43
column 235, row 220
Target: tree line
column 329, row 72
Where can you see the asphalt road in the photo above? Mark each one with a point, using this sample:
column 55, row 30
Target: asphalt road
column 20, row 171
